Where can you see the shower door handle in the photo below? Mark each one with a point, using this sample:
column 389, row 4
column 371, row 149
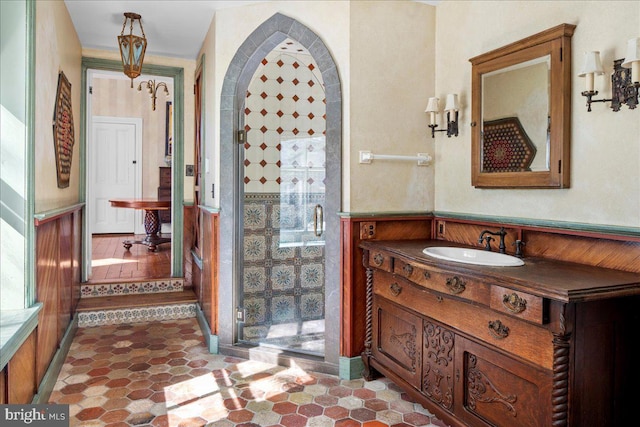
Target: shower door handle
column 318, row 220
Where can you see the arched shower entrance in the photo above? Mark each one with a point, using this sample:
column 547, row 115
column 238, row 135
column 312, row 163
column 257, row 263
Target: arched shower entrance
column 268, row 36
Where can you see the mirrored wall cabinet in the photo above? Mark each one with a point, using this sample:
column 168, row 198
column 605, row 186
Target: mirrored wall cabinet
column 521, row 113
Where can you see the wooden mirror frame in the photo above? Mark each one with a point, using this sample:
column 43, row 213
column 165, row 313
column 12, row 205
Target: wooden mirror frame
column 555, row 42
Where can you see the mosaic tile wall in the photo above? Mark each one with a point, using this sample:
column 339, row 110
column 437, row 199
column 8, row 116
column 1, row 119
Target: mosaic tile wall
column 284, row 164
column 283, row 269
column 285, row 120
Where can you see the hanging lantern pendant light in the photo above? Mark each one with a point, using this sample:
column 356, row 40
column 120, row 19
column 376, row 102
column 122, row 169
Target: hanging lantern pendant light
column 132, row 47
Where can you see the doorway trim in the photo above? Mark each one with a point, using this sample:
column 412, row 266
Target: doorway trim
column 236, row 82
column 177, row 177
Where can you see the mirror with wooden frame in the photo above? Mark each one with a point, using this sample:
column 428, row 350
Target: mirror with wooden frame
column 521, row 113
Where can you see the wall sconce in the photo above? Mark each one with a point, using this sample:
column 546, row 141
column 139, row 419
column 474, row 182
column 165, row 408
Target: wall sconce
column 451, row 107
column 132, row 47
column 625, row 83
column 152, row 87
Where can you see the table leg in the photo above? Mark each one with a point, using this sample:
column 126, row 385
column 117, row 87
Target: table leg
column 151, row 227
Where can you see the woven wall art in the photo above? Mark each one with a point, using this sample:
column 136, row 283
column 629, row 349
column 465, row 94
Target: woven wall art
column 506, row 147
column 63, row 132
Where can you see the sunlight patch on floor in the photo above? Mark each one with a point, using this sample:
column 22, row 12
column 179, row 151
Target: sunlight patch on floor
column 110, row 261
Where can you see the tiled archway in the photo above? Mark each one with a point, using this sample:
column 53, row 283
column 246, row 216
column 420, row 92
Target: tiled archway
column 241, row 69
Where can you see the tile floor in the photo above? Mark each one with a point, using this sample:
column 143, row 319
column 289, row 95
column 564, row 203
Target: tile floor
column 161, row 374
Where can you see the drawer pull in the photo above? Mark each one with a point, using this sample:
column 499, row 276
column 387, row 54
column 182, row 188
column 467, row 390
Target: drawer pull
column 408, row 269
column 427, row 275
column 514, row 303
column 456, row 285
column 498, row 330
column 395, row 289
column 378, row 259
column 439, row 298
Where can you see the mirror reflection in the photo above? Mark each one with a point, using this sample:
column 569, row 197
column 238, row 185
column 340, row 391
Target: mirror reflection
column 515, row 117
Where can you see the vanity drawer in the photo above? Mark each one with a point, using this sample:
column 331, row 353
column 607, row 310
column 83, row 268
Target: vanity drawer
column 523, row 339
column 519, row 304
column 381, row 260
column 447, row 283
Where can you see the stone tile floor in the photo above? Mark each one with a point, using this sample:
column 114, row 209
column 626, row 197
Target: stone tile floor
column 161, row 374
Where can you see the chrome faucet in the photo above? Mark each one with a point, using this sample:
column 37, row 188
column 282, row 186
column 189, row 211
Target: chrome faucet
column 487, row 239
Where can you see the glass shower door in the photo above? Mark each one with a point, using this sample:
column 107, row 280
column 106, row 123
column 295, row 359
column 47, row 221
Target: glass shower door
column 281, row 296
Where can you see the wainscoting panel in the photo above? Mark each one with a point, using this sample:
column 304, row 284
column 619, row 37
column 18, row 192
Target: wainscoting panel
column 47, row 292
column 21, row 372
column 208, row 296
column 584, row 247
column 58, row 252
column 188, row 224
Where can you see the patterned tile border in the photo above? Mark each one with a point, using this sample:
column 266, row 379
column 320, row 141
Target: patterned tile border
column 134, row 315
column 147, row 287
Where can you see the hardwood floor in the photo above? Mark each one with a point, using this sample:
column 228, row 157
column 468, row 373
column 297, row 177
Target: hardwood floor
column 110, row 261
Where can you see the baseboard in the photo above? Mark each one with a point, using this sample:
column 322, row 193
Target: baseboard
column 210, row 339
column 350, row 367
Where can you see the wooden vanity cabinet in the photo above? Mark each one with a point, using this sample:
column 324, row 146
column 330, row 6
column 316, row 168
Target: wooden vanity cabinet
column 478, row 352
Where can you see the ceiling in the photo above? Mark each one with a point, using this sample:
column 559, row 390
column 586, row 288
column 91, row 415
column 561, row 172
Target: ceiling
column 173, row 28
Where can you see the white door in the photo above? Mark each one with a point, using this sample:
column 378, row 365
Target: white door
column 115, row 172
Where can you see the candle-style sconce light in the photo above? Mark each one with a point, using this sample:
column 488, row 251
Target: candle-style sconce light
column 152, row 88
column 451, row 107
column 625, row 79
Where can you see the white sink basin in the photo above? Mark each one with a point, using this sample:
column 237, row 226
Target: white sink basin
column 473, row 256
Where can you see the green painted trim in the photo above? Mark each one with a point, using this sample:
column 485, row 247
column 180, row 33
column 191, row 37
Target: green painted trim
column 188, row 204
column 51, row 375
column 177, row 189
column 426, row 214
column 209, row 209
column 82, row 152
column 350, row 368
column 30, row 173
column 212, row 341
column 42, row 216
column 15, row 328
column 561, row 225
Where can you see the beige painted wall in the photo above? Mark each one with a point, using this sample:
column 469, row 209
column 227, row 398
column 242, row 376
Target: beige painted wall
column 57, row 49
column 189, row 71
column 392, row 50
column 384, row 53
column 605, row 152
column 134, row 104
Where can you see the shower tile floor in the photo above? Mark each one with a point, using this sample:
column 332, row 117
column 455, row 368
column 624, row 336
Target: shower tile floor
column 302, row 337
column 161, row 374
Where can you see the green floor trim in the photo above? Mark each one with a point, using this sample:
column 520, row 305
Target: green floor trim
column 350, row 367
column 212, row 341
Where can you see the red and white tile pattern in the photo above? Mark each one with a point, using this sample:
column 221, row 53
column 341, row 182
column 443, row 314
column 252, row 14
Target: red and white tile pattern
column 285, row 120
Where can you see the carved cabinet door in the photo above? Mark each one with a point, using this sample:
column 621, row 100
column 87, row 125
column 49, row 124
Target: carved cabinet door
column 397, row 340
column 495, row 390
column 438, row 352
